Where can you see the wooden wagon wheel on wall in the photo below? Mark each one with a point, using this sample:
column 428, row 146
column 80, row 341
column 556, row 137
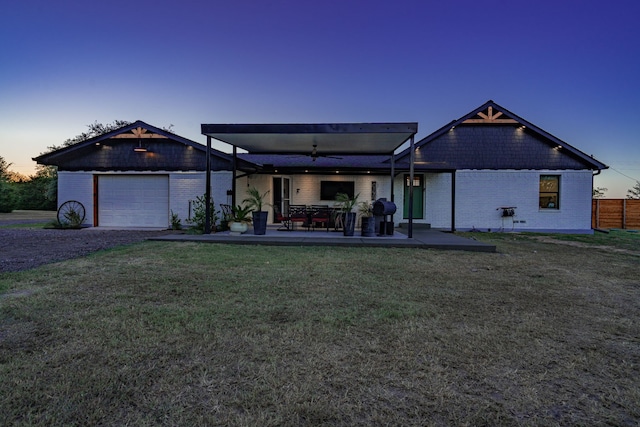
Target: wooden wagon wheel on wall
column 71, row 213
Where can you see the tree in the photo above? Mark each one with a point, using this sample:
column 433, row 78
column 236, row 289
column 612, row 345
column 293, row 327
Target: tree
column 95, row 129
column 634, row 192
column 7, row 197
column 4, row 168
column 598, row 192
column 36, row 191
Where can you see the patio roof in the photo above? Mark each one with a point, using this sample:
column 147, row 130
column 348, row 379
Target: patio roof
column 328, row 138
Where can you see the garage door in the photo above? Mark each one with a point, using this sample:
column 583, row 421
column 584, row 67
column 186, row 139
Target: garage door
column 133, row 201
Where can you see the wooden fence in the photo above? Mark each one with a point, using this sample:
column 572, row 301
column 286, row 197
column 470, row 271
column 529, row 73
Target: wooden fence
column 615, row 213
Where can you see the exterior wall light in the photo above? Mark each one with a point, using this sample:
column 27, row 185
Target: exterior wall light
column 140, row 148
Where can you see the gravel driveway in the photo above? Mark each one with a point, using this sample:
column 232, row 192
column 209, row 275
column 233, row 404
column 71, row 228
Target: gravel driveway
column 26, row 248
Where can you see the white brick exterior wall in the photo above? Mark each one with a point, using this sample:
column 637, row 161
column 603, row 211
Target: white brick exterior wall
column 187, row 186
column 479, row 193
column 183, row 187
column 309, row 187
column 77, row 186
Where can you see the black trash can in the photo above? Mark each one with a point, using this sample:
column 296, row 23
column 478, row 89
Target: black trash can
column 384, row 209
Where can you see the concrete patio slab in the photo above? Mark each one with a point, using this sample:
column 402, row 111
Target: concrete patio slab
column 422, row 239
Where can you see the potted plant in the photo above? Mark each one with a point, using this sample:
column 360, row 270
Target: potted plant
column 254, row 201
column 346, row 205
column 368, row 222
column 240, row 219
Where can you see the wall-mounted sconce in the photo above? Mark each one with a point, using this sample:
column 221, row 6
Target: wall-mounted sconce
column 297, row 190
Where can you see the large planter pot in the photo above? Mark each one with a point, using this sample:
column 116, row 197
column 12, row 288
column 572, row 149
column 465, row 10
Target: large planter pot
column 349, row 223
column 238, row 227
column 368, row 227
column 260, row 222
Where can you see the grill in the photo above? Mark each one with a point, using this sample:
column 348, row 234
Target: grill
column 383, row 210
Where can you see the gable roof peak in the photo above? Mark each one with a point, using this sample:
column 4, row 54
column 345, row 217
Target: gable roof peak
column 490, row 113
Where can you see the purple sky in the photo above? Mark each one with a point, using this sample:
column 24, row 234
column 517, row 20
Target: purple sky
column 570, row 67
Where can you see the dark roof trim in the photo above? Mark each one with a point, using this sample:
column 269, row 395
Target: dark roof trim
column 305, row 128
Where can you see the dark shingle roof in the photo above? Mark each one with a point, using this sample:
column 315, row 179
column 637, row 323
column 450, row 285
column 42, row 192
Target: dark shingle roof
column 509, row 142
column 112, row 152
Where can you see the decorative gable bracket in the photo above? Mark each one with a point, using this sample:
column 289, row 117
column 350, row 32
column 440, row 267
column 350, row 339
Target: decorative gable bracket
column 490, row 117
column 140, row 133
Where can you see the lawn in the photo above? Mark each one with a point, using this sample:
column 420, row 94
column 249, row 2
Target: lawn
column 163, row 333
column 26, row 219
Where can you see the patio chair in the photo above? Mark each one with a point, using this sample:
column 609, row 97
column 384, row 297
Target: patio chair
column 320, row 214
column 298, row 213
column 282, row 219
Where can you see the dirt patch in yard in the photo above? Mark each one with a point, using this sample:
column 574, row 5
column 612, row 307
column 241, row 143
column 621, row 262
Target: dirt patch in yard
column 551, row 239
column 26, row 248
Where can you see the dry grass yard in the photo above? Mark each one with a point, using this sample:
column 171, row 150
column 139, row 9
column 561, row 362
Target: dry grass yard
column 160, row 333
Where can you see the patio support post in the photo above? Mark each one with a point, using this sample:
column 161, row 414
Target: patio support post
column 453, row 201
column 233, row 176
column 412, row 159
column 393, row 172
column 207, row 191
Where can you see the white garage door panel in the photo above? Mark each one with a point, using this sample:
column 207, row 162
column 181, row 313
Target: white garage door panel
column 133, row 201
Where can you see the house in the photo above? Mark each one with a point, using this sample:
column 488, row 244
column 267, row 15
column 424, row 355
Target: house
column 488, row 170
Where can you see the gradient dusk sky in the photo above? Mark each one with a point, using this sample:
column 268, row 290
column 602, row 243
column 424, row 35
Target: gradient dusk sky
column 570, row 67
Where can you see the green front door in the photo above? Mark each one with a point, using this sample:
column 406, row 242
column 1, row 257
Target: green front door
column 418, row 197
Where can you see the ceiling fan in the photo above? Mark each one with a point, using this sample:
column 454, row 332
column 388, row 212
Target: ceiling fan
column 314, row 154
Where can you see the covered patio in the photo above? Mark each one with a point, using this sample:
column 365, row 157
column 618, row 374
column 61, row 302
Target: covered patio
column 314, row 154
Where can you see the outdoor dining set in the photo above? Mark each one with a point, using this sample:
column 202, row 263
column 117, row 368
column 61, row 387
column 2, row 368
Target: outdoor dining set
column 311, row 217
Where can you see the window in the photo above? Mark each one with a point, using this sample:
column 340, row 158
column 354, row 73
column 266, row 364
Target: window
column 549, row 191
